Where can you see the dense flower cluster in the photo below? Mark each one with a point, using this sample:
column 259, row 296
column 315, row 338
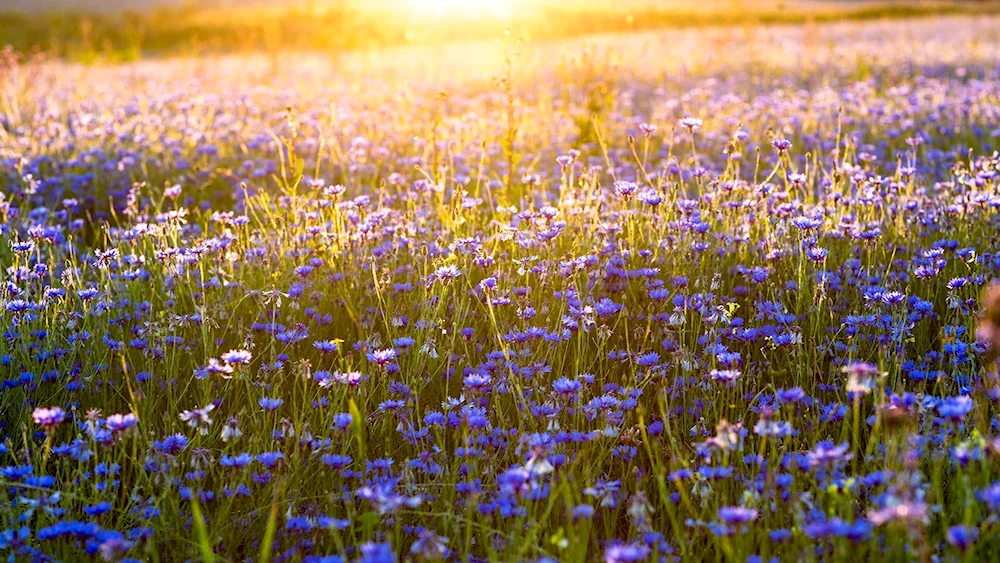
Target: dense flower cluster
column 634, row 310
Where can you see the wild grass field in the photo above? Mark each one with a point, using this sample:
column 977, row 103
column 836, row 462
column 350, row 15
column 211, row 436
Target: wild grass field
column 690, row 294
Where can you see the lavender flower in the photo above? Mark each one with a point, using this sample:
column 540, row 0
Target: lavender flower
column 48, row 417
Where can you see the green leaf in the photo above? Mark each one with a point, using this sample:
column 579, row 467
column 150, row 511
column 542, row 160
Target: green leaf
column 272, row 526
column 204, row 543
column 358, row 425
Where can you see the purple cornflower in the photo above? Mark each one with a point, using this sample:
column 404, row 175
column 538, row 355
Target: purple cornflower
column 768, row 426
column 236, row 357
column 199, row 418
column 121, row 422
column 816, row 253
column 477, row 381
column 352, row 378
column 624, row 189
column 48, row 417
column 447, row 273
column 114, row 548
column 222, row 369
column 691, row 123
column 899, row 512
column 787, row 396
column 727, row 376
column 382, row 358
column 626, row 553
column 429, row 546
column 737, row 515
column 605, row 491
column 231, row 431
column 826, row 453
column 650, row 197
column 385, row 499
column 781, row 145
column 861, row 377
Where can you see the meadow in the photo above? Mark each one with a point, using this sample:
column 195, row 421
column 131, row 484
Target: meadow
column 702, row 294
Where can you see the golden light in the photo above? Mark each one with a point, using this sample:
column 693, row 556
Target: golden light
column 462, row 9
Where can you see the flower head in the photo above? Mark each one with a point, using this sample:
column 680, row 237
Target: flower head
column 48, row 417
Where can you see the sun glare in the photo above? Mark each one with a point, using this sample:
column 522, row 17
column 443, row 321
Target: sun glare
column 465, row 9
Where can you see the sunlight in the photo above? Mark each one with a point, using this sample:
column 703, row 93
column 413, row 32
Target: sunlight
column 472, row 9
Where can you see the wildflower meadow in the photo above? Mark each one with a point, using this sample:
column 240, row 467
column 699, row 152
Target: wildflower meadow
column 672, row 295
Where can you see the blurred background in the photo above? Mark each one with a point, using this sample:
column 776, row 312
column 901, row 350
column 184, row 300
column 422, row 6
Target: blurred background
column 123, row 30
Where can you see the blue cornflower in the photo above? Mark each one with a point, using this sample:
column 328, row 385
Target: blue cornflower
column 954, row 409
column 342, row 420
column 566, row 386
column 780, row 535
column 583, row 512
column 606, row 307
column 377, row 553
column 270, row 404
column 404, row 342
column 962, row 537
column 97, row 509
column 327, row 346
column 10, row 538
column 649, row 359
column 87, row 294
column 270, row 459
column 238, row 461
column 22, row 246
column 171, row 445
column 990, row 496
